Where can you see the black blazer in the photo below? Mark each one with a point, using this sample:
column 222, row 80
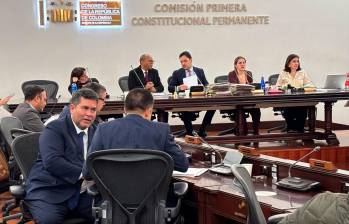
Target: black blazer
column 135, row 132
column 179, row 75
column 153, row 74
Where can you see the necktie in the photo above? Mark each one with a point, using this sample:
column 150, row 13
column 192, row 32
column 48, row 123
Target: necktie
column 189, row 73
column 81, row 143
column 146, row 77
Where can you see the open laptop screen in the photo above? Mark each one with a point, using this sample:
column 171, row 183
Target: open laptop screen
column 335, row 82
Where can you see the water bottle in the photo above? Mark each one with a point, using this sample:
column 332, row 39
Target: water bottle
column 262, row 84
column 346, row 85
column 74, row 87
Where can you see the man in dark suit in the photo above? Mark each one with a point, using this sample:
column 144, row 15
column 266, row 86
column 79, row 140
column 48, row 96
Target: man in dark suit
column 35, row 99
column 54, row 182
column 137, row 131
column 145, row 76
column 176, row 84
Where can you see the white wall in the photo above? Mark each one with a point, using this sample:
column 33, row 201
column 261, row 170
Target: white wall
column 316, row 30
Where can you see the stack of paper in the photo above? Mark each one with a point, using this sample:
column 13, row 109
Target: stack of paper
column 242, row 89
column 191, row 172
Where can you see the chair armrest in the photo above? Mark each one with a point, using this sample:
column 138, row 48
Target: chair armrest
column 180, row 188
column 277, row 218
column 17, row 191
column 15, row 132
column 92, row 190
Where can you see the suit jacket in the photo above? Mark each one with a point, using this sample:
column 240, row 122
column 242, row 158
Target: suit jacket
column 233, row 78
column 153, row 74
column 179, row 75
column 135, row 132
column 29, row 117
column 55, row 176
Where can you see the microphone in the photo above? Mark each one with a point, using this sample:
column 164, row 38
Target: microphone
column 214, row 150
column 198, row 78
column 54, row 105
column 140, row 81
column 316, row 149
column 248, row 74
column 297, row 183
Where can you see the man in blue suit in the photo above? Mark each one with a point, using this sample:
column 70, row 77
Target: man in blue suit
column 176, row 85
column 54, row 182
column 137, row 131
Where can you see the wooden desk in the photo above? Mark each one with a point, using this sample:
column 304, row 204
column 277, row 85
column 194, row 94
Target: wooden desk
column 214, row 199
column 115, row 106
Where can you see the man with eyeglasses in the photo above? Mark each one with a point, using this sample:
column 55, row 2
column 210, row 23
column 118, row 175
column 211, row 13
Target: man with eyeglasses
column 102, row 94
column 145, row 76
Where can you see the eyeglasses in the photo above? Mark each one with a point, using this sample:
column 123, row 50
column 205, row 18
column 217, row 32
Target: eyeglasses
column 102, row 99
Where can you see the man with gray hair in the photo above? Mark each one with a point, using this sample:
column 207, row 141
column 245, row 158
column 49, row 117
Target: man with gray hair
column 145, row 76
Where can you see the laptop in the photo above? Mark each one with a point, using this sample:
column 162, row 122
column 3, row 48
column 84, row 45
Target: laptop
column 335, row 82
column 231, row 157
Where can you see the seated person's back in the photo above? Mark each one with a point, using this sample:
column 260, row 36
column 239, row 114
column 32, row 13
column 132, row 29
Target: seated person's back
column 136, row 131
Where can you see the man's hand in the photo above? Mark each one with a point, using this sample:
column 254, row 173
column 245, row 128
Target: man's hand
column 183, row 87
column 4, row 101
column 150, row 87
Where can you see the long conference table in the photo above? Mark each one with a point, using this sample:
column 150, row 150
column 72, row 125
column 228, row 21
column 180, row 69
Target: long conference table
column 165, row 103
column 215, row 199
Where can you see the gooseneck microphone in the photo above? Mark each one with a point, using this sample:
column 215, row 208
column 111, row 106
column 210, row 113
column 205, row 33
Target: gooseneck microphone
column 140, row 81
column 54, row 105
column 316, row 149
column 297, row 183
column 214, row 150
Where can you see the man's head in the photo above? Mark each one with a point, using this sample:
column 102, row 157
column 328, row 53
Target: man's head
column 186, row 60
column 139, row 101
column 101, row 92
column 83, row 107
column 35, row 96
column 146, row 61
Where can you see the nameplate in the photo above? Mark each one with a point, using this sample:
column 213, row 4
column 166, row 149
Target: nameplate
column 321, row 164
column 197, row 93
column 248, row 150
column 192, row 140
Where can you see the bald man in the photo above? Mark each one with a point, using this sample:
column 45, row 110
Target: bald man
column 145, row 76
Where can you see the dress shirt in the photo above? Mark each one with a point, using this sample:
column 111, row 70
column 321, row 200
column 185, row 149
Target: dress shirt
column 300, row 80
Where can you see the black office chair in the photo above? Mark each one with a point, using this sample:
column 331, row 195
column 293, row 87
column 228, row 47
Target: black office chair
column 134, row 185
column 277, row 110
column 255, row 213
column 123, row 83
column 51, row 88
column 25, row 149
column 226, row 113
column 221, row 79
column 6, row 125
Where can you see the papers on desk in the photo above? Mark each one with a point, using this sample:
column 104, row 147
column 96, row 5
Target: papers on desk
column 161, row 95
column 191, row 81
column 191, row 172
